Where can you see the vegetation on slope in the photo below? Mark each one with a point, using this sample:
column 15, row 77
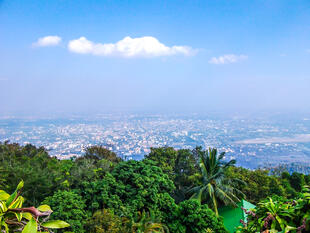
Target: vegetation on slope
column 99, row 192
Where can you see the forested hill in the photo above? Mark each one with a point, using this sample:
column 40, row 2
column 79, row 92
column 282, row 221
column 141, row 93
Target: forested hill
column 168, row 191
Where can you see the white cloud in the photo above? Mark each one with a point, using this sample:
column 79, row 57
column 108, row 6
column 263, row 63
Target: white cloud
column 47, row 41
column 128, row 47
column 227, row 58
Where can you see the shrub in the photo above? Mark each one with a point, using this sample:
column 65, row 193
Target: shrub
column 105, row 221
column 192, row 217
column 70, row 207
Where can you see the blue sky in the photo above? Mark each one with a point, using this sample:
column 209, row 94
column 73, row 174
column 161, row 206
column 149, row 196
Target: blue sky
column 63, row 56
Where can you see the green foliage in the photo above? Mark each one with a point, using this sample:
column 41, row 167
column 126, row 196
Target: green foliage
column 100, row 194
column 132, row 186
column 88, row 170
column 278, row 214
column 215, row 186
column 33, row 165
column 186, row 169
column 307, row 179
column 107, row 193
column 140, row 185
column 105, row 221
column 258, row 184
column 100, row 152
column 70, row 207
column 14, row 217
column 146, row 222
column 181, row 167
column 297, row 181
column 192, row 217
column 165, row 158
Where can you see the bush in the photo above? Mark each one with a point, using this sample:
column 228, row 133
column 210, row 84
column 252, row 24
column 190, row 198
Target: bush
column 70, row 207
column 191, row 217
column 105, row 221
column 141, row 185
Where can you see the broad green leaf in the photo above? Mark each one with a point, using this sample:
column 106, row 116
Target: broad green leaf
column 55, row 224
column 289, row 228
column 4, row 195
column 13, row 196
column 44, row 208
column 31, row 227
column 27, row 215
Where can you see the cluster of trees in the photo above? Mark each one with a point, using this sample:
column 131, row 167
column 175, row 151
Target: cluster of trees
column 168, row 191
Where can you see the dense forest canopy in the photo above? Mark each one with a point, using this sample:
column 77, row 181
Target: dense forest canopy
column 168, row 191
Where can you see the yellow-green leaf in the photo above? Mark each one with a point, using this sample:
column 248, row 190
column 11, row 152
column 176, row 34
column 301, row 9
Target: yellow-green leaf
column 3, row 207
column 27, row 215
column 4, row 195
column 20, row 185
column 11, row 198
column 17, row 203
column 31, row 227
column 14, row 195
column 55, row 224
column 44, row 208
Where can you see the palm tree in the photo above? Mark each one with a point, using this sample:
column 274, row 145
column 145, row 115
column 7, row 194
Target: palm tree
column 215, row 185
column 148, row 223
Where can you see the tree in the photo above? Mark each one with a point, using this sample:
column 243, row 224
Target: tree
column 105, row 221
column 307, row 179
column 215, row 186
column 179, row 165
column 131, row 186
column 88, row 170
column 165, row 158
column 101, row 194
column 39, row 171
column 186, row 174
column 259, row 184
column 70, row 207
column 192, row 217
column 297, row 181
column 141, row 185
column 275, row 187
column 147, row 222
column 100, row 152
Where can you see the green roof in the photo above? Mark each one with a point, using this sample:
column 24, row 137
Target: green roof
column 232, row 216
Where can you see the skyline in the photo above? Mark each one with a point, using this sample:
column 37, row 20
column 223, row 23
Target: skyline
column 192, row 56
column 249, row 140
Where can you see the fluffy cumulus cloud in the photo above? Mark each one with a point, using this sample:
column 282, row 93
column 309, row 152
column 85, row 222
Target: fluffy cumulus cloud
column 128, row 47
column 227, row 58
column 47, row 41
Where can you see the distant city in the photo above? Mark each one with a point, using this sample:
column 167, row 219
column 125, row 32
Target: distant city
column 254, row 142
